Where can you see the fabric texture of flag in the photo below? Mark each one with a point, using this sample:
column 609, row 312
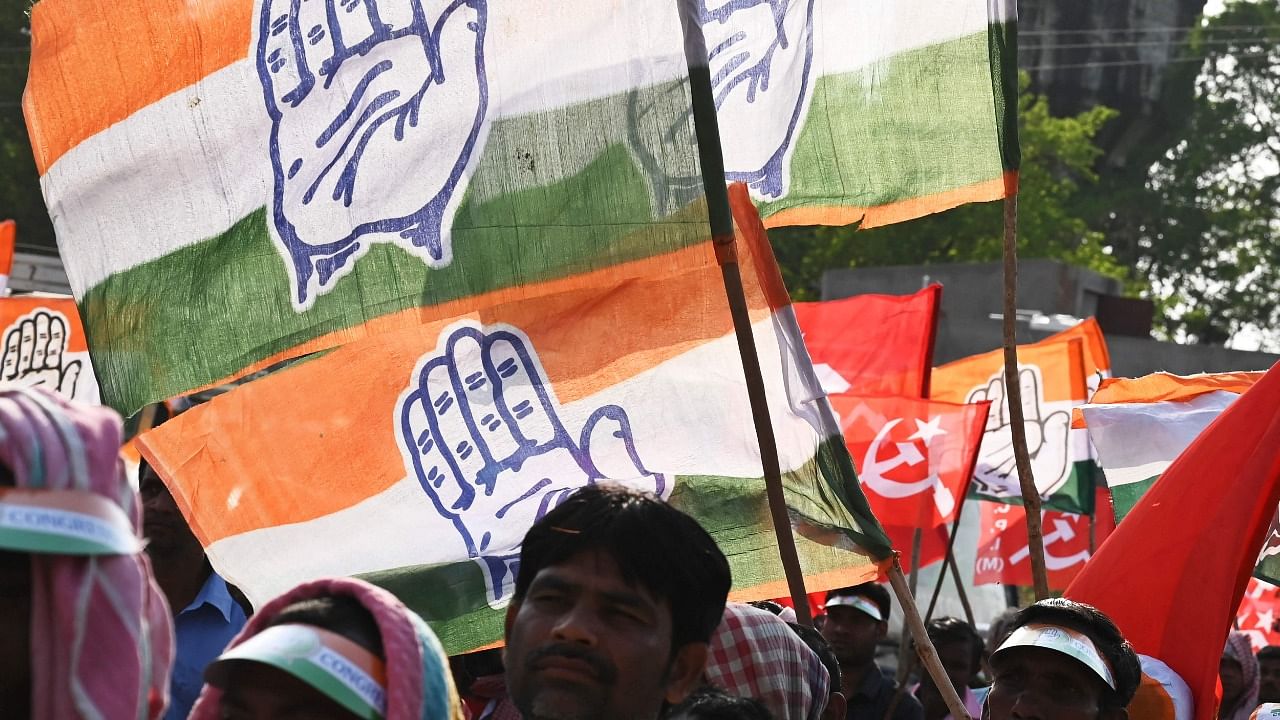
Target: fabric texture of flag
column 1003, row 557
column 239, row 196
column 44, row 346
column 1053, row 379
column 873, row 344
column 470, row 428
column 1194, row 539
column 914, row 457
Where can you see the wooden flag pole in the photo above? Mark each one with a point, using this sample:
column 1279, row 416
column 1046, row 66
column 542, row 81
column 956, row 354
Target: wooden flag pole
column 1013, row 395
column 904, row 667
column 924, row 647
column 707, row 129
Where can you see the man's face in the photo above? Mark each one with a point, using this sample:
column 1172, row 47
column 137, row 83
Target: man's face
column 1269, row 680
column 169, row 538
column 853, row 635
column 255, row 691
column 1033, row 683
column 584, row 644
column 957, row 660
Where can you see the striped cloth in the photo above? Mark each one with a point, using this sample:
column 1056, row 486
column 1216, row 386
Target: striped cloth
column 419, row 684
column 101, row 634
column 755, row 654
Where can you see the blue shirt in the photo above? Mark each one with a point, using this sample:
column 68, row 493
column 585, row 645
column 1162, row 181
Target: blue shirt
column 203, row 630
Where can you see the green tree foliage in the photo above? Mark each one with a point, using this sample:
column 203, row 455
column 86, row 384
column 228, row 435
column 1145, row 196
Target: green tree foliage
column 1201, row 224
column 1058, row 155
column 20, row 197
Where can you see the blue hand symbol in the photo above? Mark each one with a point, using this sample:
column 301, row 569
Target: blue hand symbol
column 761, row 52
column 378, row 112
column 481, row 431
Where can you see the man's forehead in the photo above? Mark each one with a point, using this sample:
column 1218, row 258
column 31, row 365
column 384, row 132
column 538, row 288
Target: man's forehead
column 597, row 570
column 1042, row 661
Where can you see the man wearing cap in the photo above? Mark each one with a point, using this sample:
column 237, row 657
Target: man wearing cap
column 1062, row 660
column 857, row 619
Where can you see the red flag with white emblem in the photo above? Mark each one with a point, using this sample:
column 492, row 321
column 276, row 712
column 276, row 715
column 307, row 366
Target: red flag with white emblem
column 914, row 457
column 1003, row 557
column 872, row 344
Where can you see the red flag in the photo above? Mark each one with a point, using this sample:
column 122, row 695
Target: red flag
column 1259, row 614
column 8, row 238
column 1173, row 573
column 1003, row 557
column 914, row 457
column 933, row 544
column 873, row 344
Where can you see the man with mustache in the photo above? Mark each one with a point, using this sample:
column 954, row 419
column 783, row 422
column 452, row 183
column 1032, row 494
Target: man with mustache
column 614, row 606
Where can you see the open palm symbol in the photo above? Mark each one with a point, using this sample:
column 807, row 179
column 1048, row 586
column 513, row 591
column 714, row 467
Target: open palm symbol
column 378, row 112
column 480, row 429
column 35, row 354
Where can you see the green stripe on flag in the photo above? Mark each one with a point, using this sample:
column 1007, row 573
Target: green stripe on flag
column 1075, row 496
column 938, row 101
column 1125, row 496
column 734, row 511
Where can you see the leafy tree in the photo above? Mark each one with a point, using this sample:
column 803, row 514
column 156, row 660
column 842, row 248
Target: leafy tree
column 1200, row 223
column 1058, row 155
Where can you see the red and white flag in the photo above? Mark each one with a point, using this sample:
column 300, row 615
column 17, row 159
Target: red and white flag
column 914, row 457
column 1003, row 557
column 872, row 344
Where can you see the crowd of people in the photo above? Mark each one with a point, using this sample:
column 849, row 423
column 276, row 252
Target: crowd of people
column 620, row 611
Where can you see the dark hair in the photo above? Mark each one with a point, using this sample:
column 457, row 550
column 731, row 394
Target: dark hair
column 1270, row 652
column 875, row 592
column 951, row 629
column 709, row 703
column 1087, row 619
column 655, row 546
column 341, row 614
column 822, row 649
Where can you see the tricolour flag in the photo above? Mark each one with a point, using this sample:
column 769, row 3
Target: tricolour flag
column 873, row 344
column 1194, row 539
column 1003, row 557
column 42, row 344
column 1140, row 426
column 268, row 178
column 914, row 457
column 1053, row 380
column 418, row 458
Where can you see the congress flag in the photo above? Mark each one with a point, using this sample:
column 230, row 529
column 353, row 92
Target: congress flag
column 472, row 427
column 239, row 196
column 1053, row 381
column 44, row 346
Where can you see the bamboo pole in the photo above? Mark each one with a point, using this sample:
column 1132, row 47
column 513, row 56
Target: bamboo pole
column 1013, row 395
column 904, row 645
column 924, row 647
column 711, row 157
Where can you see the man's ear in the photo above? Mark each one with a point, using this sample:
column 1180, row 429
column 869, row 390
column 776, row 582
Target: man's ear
column 882, row 629
column 685, row 674
column 510, row 620
column 837, row 707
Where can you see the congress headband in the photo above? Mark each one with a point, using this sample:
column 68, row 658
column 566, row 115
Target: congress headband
column 345, row 672
column 1069, row 642
column 64, row 522
column 856, row 601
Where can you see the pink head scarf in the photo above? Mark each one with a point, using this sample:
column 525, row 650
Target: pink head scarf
column 755, row 654
column 419, row 685
column 101, row 634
